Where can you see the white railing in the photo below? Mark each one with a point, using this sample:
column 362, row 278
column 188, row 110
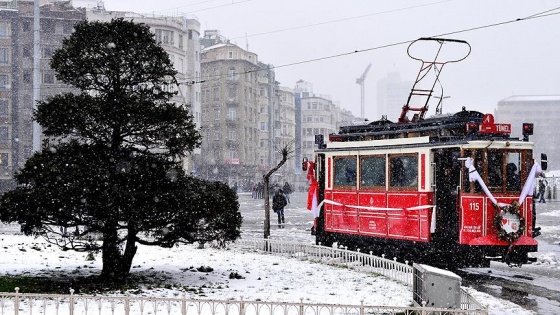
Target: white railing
column 70, row 304
column 363, row 262
column 332, row 256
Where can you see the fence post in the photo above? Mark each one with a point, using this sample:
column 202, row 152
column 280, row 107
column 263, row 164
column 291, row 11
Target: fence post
column 71, row 302
column 127, row 305
column 362, row 310
column 300, row 306
column 241, row 306
column 16, row 302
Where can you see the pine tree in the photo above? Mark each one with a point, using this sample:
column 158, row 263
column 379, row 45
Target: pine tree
column 109, row 174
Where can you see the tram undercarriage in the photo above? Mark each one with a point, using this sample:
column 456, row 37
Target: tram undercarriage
column 446, row 256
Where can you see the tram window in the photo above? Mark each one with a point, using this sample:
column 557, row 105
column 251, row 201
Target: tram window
column 404, row 171
column 478, row 156
column 345, row 171
column 372, row 171
column 513, row 178
column 495, row 160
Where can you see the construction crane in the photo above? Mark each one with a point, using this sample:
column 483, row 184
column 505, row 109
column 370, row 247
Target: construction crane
column 360, row 81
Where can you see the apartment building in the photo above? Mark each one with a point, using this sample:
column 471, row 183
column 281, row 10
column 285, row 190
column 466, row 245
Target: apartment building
column 57, row 20
column 542, row 111
column 392, row 94
column 229, row 114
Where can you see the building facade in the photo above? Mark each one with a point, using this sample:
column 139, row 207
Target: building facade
column 229, row 114
column 392, row 93
column 57, row 20
column 542, row 111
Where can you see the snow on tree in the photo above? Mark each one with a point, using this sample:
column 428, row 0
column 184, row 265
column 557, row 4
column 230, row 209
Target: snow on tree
column 109, row 174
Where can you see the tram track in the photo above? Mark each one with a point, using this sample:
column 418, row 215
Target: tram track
column 524, row 289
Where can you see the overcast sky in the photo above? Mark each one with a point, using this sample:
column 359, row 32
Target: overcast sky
column 516, row 58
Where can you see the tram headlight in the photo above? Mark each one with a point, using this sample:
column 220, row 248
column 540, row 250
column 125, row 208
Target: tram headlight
column 471, row 127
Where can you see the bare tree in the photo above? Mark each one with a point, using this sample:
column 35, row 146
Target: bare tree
column 287, row 152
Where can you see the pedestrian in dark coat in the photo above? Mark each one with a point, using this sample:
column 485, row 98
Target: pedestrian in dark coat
column 278, row 204
column 287, row 189
column 542, row 190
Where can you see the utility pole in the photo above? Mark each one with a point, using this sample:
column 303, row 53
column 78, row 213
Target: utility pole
column 36, row 73
column 360, row 81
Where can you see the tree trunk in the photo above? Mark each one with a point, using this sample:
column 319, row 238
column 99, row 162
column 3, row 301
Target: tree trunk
column 116, row 266
column 266, row 180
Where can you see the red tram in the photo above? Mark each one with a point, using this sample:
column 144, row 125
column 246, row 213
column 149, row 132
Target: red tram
column 449, row 190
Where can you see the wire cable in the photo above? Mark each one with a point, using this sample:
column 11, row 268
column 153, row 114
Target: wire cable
column 546, row 13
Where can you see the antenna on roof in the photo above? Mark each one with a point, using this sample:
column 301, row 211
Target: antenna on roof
column 246, row 42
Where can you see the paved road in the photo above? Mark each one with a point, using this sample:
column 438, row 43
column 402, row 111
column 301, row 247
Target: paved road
column 298, row 219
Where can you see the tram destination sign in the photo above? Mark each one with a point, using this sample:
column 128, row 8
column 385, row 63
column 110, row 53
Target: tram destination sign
column 490, row 127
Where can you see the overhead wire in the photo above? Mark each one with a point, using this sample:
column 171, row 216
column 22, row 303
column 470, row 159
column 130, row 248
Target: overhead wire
column 341, row 20
column 546, row 13
column 205, row 9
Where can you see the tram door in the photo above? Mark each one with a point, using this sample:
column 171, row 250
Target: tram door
column 447, row 169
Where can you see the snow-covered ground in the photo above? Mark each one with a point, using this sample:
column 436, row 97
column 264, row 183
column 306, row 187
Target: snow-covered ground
column 265, row 277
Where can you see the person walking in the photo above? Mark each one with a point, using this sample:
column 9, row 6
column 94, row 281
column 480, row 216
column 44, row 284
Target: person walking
column 542, row 189
column 287, row 189
column 278, row 204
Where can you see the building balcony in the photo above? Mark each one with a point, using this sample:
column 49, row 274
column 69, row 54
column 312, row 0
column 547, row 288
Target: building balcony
column 232, row 101
column 232, row 122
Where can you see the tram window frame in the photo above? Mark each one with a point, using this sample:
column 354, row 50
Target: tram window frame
column 380, row 168
column 341, row 181
column 496, row 170
column 409, row 182
column 499, row 183
column 513, row 178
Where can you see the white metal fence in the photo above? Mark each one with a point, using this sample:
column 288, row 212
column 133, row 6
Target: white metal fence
column 69, row 304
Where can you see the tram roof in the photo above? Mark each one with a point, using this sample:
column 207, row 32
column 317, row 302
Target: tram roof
column 459, row 127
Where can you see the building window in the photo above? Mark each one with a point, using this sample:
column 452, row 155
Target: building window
column 164, row 36
column 4, row 29
column 26, row 76
column 4, row 81
column 232, row 135
column 27, row 51
column 47, row 26
column 230, row 55
column 4, row 133
column 26, row 26
column 48, row 77
column 232, row 74
column 4, row 106
column 232, row 113
column 158, row 36
column 181, row 41
column 47, row 52
column 4, row 55
column 67, row 28
column 4, row 159
column 262, row 126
